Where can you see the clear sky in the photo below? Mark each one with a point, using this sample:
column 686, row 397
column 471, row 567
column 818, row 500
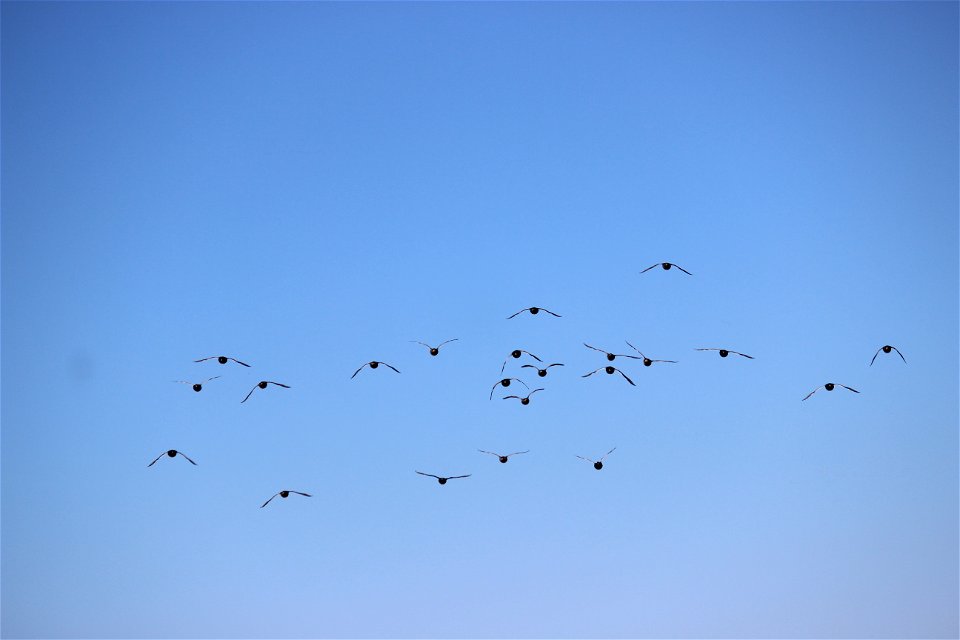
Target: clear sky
column 308, row 187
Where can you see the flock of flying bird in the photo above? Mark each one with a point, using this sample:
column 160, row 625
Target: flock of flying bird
column 542, row 372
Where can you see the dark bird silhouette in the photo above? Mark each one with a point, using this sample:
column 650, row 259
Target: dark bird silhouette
column 647, row 361
column 433, row 350
column 829, row 387
column 503, row 458
column 609, row 370
column 222, row 360
column 525, row 399
column 886, row 349
column 666, row 267
column 172, row 453
column 725, row 352
column 441, row 479
column 611, row 356
column 516, row 353
column 534, row 311
column 598, row 464
column 506, row 383
column 263, row 385
column 197, row 386
column 373, row 365
column 542, row 372
column 284, row 494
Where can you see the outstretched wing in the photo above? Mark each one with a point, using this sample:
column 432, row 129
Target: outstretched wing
column 551, row 312
column 531, row 355
column 516, row 453
column 625, row 377
column 743, row 354
column 850, row 388
column 446, row 341
column 607, row 453
column 279, row 384
column 591, row 373
column 249, row 394
column 555, row 364
column 588, row 459
column 490, row 452
column 268, row 501
column 423, row 343
column 238, row 362
column 508, row 397
column 878, row 353
column 534, row 391
column 594, row 348
column 205, row 359
column 209, row 379
column 187, row 457
column 159, row 456
column 301, row 493
column 634, row 348
column 391, row 366
column 681, row 268
column 455, row 477
column 812, row 392
column 358, row 370
column 517, row 313
column 900, row 354
column 428, row 474
column 650, row 267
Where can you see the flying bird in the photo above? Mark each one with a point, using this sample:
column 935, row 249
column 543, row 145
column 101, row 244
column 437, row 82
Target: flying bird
column 172, row 453
column 441, row 479
column 609, row 370
column 534, row 311
column 263, row 385
column 506, row 383
column 503, row 458
column 666, row 267
column 829, row 387
column 647, row 361
column 611, row 356
column 284, row 494
column 433, row 350
column 373, row 365
column 197, row 386
column 542, row 372
column 598, row 464
column 222, row 360
column 886, row 349
column 725, row 352
column 516, row 353
column 525, row 399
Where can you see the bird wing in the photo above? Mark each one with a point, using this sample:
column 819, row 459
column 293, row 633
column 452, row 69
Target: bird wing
column 205, row 359
column 850, row 388
column 594, row 348
column 455, row 477
column 531, row 366
column 423, row 343
column 268, row 501
column 517, row 313
column 531, row 355
column 508, row 397
column 516, row 453
column 358, row 370
column 707, row 349
column 301, row 493
column 876, row 354
column 673, row 361
column 238, row 362
column 280, row 384
column 428, row 474
column 521, row 382
column 490, row 452
column 391, row 366
column 551, row 312
column 187, row 457
column 812, row 392
column 650, row 267
column 157, row 458
column 634, row 348
column 607, row 453
column 213, row 378
column 588, row 459
column 681, row 268
column 625, row 377
column 504, row 365
column 743, row 354
column 534, row 391
column 249, row 394
column 591, row 373
column 900, row 354
column 446, row 341
column 555, row 364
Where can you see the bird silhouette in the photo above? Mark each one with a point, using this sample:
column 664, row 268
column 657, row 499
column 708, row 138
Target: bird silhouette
column 534, row 311
column 441, row 479
column 516, row 353
column 666, row 267
column 263, row 385
column 284, row 494
column 609, row 370
column 433, row 350
column 222, row 360
column 598, row 464
column 829, row 387
column 197, row 386
column 542, row 372
column 373, row 364
column 506, row 383
column 725, row 352
column 503, row 457
column 525, row 399
column 172, row 453
column 886, row 349
column 647, row 361
column 611, row 356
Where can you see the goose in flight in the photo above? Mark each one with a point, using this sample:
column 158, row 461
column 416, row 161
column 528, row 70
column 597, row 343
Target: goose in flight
column 222, row 360
column 197, row 386
column 433, row 350
column 534, row 311
column 542, row 372
column 609, row 370
column 263, row 385
column 503, row 458
column 725, row 352
column 284, row 494
column 523, row 400
column 666, row 267
column 647, row 361
column 598, row 464
column 172, row 453
column 441, row 479
column 886, row 349
column 516, row 353
column 829, row 387
column 373, row 364
column 611, row 356
column 506, row 383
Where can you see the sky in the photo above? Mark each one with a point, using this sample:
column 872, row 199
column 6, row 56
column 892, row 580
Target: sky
column 311, row 186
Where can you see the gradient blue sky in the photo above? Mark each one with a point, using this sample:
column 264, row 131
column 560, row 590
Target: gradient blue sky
column 310, row 186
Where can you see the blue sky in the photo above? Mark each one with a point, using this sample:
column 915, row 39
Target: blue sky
column 308, row 187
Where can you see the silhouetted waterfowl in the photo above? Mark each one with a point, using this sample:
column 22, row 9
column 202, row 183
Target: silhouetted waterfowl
column 609, row 370
column 172, row 453
column 222, row 360
column 441, row 479
column 886, row 349
column 725, row 352
column 525, row 399
column 197, row 386
column 284, row 494
column 534, row 311
column 503, row 458
column 506, row 383
column 611, row 356
column 433, row 350
column 373, row 365
column 647, row 361
column 666, row 267
column 516, row 353
column 542, row 372
column 263, row 385
column 829, row 387
column 598, row 464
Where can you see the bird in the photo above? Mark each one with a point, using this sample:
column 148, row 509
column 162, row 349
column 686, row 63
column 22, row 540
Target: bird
column 222, row 360
column 433, row 350
column 886, row 349
column 666, row 267
column 725, row 352
column 598, row 464
column 829, row 387
column 373, row 365
column 441, row 479
column 503, row 458
column 525, row 399
column 197, row 386
column 284, row 494
column 611, row 356
column 506, row 383
column 534, row 311
column 263, row 385
column 647, row 361
column 173, row 453
column 516, row 353
column 542, row 372
column 609, row 370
